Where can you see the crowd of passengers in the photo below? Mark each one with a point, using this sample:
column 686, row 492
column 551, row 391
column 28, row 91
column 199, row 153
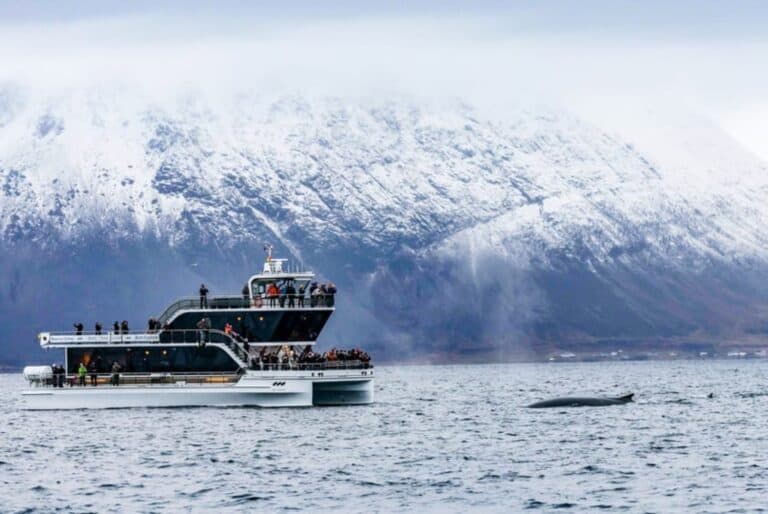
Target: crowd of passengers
column 285, row 294
column 93, row 369
column 117, row 328
column 285, row 357
column 282, row 293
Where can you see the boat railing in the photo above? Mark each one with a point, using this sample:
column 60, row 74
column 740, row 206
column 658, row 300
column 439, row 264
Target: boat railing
column 177, row 336
column 84, row 337
column 239, row 302
column 310, row 366
column 164, row 336
column 203, row 336
column 139, row 378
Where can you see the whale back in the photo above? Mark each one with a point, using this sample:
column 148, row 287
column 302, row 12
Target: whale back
column 577, row 401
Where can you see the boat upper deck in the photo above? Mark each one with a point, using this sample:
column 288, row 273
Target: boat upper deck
column 275, row 288
column 279, row 305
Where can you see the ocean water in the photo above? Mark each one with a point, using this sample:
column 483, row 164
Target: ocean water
column 438, row 439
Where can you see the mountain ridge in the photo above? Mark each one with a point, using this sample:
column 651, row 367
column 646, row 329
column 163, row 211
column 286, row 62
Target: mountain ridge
column 372, row 194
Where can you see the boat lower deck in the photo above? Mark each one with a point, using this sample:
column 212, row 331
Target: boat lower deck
column 269, row 388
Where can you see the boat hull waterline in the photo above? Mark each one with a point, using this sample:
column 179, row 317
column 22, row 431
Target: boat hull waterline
column 273, row 392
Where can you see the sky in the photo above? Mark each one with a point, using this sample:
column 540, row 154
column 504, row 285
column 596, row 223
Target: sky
column 619, row 64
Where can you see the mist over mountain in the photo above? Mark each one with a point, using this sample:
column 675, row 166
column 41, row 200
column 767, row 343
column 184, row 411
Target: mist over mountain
column 447, row 233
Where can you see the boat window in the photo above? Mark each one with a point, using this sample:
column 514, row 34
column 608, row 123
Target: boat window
column 155, row 359
column 260, row 286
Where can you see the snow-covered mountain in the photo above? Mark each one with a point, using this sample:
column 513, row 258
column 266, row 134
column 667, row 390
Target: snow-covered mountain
column 447, row 232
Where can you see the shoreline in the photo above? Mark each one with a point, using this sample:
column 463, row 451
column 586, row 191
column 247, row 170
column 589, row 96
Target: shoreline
column 577, row 359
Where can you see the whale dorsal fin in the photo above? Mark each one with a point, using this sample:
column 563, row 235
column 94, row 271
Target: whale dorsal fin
column 626, row 397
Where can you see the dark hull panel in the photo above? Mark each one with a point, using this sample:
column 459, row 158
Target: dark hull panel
column 289, row 325
column 347, row 392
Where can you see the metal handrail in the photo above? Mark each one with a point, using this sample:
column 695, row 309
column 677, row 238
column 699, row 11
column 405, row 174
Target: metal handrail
column 164, row 336
column 213, row 302
column 176, row 336
column 102, row 333
column 311, row 366
column 152, row 374
column 133, row 333
column 239, row 302
column 153, row 334
column 52, row 338
column 144, row 377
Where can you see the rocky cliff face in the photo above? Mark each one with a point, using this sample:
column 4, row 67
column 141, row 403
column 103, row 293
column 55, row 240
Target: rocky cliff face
column 446, row 232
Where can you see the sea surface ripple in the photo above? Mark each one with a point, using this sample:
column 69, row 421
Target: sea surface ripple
column 438, row 439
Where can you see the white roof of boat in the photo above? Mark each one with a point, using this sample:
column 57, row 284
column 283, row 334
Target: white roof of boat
column 274, row 269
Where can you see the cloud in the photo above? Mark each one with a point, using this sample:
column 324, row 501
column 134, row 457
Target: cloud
column 492, row 59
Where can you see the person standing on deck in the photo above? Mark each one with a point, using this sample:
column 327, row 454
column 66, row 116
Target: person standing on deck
column 92, row 370
column 58, row 375
column 204, row 326
column 318, row 296
column 290, row 290
column 97, row 328
column 314, row 293
column 272, row 294
column 81, row 372
column 330, row 298
column 203, row 296
column 115, row 379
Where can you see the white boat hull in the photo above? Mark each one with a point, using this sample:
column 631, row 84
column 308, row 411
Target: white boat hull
column 279, row 389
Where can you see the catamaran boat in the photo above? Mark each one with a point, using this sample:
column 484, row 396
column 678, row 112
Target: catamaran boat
column 253, row 349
